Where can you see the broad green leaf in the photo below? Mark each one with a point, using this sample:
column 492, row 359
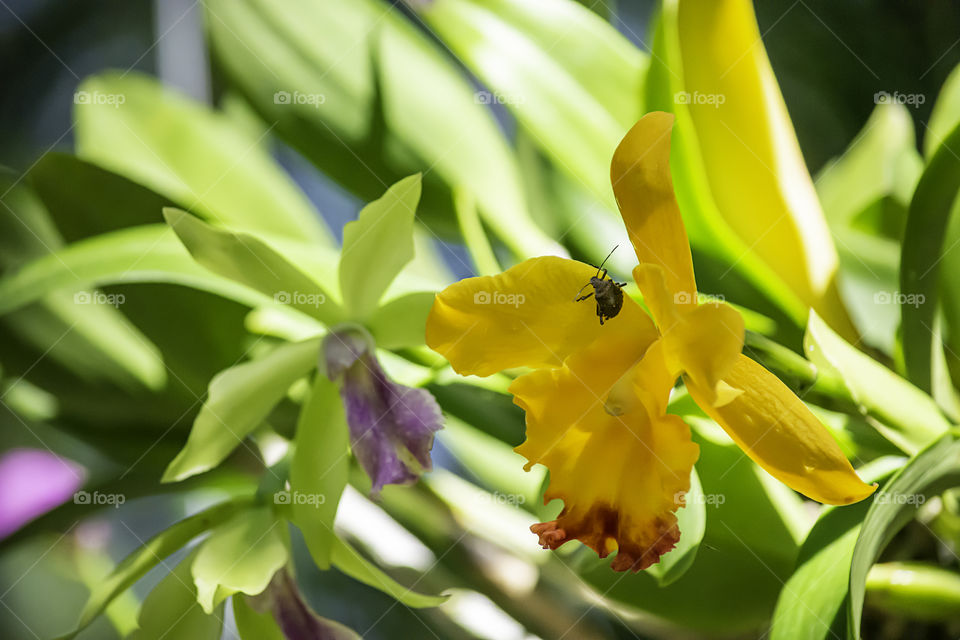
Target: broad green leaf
column 399, row 323
column 369, row 98
column 240, row 556
column 171, row 610
column 349, row 561
column 922, row 253
column 239, row 399
column 692, row 520
column 865, row 193
column 320, row 466
column 134, row 126
column 903, row 414
column 933, row 470
column 252, row 625
column 138, row 563
column 253, row 262
column 93, row 340
column 882, row 162
column 377, row 245
column 811, row 603
column 945, row 115
column 566, row 101
column 149, row 253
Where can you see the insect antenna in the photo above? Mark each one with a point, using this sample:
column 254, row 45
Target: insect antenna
column 605, row 259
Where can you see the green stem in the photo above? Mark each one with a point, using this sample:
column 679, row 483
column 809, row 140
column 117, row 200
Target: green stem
column 914, row 590
column 473, row 235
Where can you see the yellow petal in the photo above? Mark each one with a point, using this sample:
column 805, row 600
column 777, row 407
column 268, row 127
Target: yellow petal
column 780, row 434
column 753, row 163
column 640, row 173
column 525, row 316
column 621, row 477
column 703, row 341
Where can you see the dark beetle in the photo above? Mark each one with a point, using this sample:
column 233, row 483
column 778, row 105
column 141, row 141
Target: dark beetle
column 608, row 293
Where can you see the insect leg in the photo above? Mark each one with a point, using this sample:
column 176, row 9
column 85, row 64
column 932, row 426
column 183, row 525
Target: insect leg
column 584, row 297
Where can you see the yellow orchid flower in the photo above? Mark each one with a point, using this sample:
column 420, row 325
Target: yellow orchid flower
column 597, row 395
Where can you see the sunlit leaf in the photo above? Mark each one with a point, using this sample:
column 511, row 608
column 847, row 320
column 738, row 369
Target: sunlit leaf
column 171, row 610
column 349, row 561
column 252, row 262
column 239, row 399
column 377, row 245
column 240, row 556
column 320, row 466
column 134, row 126
column 138, row 563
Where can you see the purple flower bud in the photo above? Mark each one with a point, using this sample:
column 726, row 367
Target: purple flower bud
column 391, row 425
column 293, row 616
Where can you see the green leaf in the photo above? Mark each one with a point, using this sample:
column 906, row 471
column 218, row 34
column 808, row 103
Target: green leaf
column 239, row 399
column 369, row 98
column 90, row 338
column 138, row 563
column 810, row 605
column 171, row 610
column 927, row 474
column 252, row 625
column 692, row 520
column 923, row 250
column 945, row 115
column 320, row 467
column 567, row 75
column 377, row 245
column 399, row 323
column 349, row 561
column 252, row 262
column 134, row 126
column 240, row 556
column 903, row 414
column 149, row 253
